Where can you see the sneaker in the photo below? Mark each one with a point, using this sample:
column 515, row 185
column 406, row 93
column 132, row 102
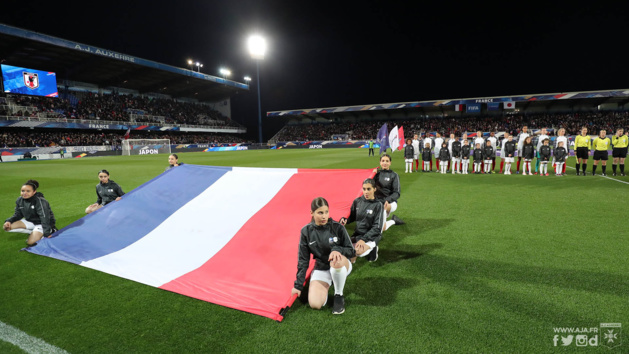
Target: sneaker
column 622, row 174
column 577, row 173
column 604, row 174
column 614, row 174
column 593, row 174
column 373, row 255
column 546, row 173
column 339, row 305
column 397, row 220
column 517, row 172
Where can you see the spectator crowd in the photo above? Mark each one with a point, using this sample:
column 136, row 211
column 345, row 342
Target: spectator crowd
column 116, row 107
column 572, row 122
column 28, row 138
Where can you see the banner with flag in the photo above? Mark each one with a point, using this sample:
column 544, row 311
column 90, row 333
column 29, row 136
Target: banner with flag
column 383, row 138
column 509, row 105
column 394, row 139
column 402, row 141
column 459, row 107
column 225, row 235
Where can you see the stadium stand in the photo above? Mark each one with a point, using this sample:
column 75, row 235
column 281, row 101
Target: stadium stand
column 102, row 94
column 458, row 125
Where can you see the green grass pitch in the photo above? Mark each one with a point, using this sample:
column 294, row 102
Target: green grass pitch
column 485, row 263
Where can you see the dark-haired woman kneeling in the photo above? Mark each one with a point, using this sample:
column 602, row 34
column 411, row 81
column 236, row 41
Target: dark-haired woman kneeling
column 331, row 247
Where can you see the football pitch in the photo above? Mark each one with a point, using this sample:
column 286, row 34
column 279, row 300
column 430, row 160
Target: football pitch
column 485, row 263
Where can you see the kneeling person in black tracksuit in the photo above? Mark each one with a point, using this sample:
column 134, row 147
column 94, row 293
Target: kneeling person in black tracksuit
column 107, row 191
column 368, row 214
column 388, row 190
column 331, row 247
column 32, row 213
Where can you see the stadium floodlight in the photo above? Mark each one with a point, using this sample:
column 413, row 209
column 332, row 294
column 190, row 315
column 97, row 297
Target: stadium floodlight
column 199, row 66
column 247, row 79
column 190, row 63
column 225, row 72
column 257, row 49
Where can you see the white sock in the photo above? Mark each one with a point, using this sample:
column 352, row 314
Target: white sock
column 339, row 275
column 390, row 223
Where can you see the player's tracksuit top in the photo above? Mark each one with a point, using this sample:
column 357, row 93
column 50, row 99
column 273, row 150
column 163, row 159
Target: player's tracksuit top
column 409, row 152
column 35, row 209
column 465, row 152
column 426, row 155
column 444, row 154
column 544, row 153
column 387, row 186
column 367, row 213
column 478, row 155
column 488, row 152
column 108, row 192
column 528, row 151
column 456, row 149
column 560, row 154
column 320, row 241
column 509, row 149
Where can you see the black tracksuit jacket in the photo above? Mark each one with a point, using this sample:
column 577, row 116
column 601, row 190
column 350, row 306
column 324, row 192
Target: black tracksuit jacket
column 367, row 213
column 320, row 241
column 108, row 192
column 35, row 209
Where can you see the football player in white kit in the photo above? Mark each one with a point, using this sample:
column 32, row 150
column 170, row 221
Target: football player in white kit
column 561, row 137
column 416, row 146
column 540, row 141
column 494, row 143
column 438, row 143
column 521, row 138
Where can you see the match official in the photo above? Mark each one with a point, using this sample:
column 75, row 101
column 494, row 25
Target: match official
column 619, row 152
column 582, row 146
column 601, row 144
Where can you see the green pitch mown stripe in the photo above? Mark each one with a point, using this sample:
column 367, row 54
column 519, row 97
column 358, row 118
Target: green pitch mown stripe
column 25, row 342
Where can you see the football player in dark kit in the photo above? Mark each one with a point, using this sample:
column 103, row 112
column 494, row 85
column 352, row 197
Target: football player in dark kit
column 329, row 244
column 368, row 214
column 107, row 191
column 388, row 190
column 32, row 213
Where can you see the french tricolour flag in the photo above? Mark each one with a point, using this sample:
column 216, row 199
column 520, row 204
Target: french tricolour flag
column 226, row 235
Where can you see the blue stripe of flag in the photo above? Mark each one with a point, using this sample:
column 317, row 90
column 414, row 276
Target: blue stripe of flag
column 148, row 209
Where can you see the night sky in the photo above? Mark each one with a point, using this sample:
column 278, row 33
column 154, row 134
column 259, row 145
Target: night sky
column 326, row 54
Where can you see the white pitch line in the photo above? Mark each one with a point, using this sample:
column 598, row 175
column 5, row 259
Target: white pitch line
column 25, row 342
column 609, row 178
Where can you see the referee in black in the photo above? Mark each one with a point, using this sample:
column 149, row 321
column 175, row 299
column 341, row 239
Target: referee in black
column 600, row 145
column 582, row 145
column 619, row 152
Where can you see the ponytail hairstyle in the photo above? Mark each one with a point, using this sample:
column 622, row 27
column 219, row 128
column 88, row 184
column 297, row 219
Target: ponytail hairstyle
column 370, row 181
column 175, row 156
column 316, row 204
column 103, row 171
column 33, row 183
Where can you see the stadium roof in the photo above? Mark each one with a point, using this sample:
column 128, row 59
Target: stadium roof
column 595, row 98
column 84, row 63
